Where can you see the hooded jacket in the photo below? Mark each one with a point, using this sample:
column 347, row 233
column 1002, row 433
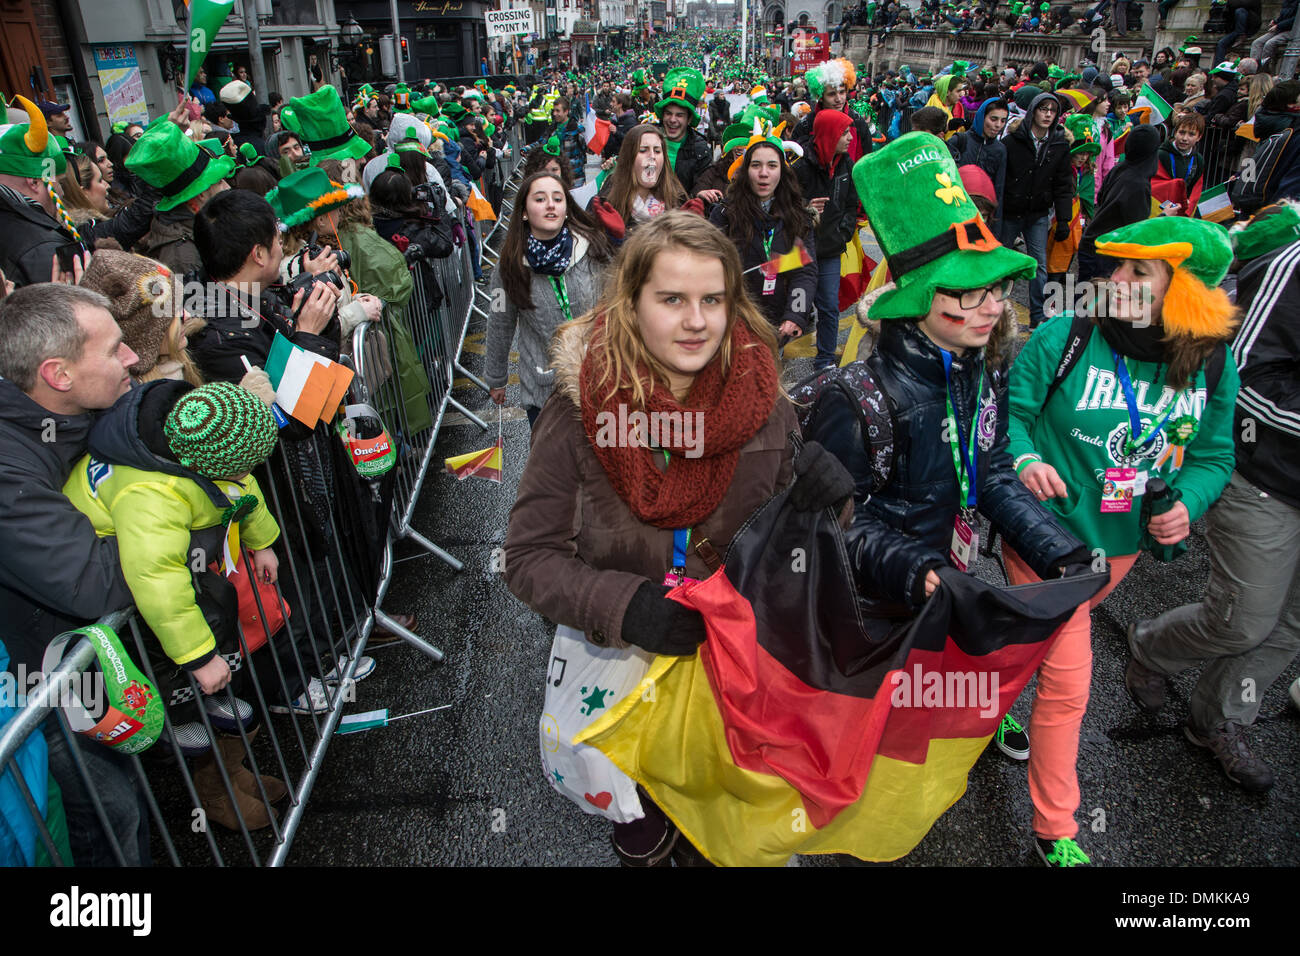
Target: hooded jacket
column 55, row 573
column 694, row 156
column 1172, row 165
column 939, row 99
column 622, row 125
column 822, row 173
column 1038, row 180
column 574, row 550
column 1125, row 196
column 905, row 529
column 534, row 329
column 132, row 489
column 29, row 237
column 861, row 145
column 971, row 148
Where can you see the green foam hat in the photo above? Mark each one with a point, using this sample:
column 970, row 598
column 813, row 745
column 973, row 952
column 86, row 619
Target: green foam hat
column 928, row 227
column 1085, row 136
column 682, row 87
column 428, row 105
column 322, row 123
column 28, row 149
column 175, row 165
column 308, row 193
column 402, row 98
column 1271, row 228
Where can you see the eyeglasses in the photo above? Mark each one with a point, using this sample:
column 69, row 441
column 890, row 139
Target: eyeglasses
column 974, row 298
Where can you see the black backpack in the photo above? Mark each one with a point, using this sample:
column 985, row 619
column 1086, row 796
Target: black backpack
column 865, row 394
column 1260, row 175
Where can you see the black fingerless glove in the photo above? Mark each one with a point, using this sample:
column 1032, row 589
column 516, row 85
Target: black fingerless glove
column 661, row 626
column 821, row 481
column 1062, row 231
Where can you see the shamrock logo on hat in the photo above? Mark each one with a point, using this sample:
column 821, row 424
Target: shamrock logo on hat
column 948, row 192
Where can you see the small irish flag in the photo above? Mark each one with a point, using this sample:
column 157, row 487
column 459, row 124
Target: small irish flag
column 796, row 258
column 478, row 205
column 1149, row 99
column 1215, row 206
column 308, row 387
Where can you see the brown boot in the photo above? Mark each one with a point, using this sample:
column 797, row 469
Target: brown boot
column 217, row 803
column 241, row 778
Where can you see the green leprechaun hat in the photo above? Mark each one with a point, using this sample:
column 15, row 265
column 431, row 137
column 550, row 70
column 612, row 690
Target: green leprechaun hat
column 308, row 193
column 28, row 149
column 928, row 226
column 175, row 165
column 1200, row 253
column 428, row 105
column 324, row 128
column 640, row 81
column 682, row 87
column 454, row 111
column 1085, row 137
column 1271, row 228
column 402, row 98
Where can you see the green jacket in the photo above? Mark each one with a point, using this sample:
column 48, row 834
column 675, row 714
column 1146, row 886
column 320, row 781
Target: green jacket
column 154, row 517
column 378, row 268
column 1082, row 431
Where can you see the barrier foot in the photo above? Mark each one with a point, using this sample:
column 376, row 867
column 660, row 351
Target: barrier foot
column 471, row 376
column 467, row 413
column 419, row 643
column 454, row 562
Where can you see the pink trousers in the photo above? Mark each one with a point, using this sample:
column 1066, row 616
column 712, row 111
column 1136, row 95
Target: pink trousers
column 1064, row 679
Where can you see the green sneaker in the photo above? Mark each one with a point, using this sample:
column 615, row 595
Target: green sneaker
column 1062, row 852
column 1012, row 739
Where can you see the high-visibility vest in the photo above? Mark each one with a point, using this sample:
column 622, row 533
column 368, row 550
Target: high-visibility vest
column 542, row 113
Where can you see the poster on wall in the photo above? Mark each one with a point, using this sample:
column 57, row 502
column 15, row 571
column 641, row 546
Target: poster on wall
column 119, row 77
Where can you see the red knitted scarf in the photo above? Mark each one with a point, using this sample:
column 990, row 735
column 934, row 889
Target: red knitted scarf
column 725, row 414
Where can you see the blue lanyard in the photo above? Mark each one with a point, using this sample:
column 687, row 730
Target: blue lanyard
column 967, row 479
column 1136, row 440
column 681, row 540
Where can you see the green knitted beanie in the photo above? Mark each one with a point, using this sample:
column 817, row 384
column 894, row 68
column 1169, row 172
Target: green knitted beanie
column 220, row 430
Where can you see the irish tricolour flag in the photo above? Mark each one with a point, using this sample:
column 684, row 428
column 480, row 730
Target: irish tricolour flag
column 1148, row 98
column 1215, row 205
column 307, row 386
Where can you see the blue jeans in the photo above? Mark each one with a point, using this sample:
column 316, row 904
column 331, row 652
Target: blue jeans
column 1238, row 29
column 827, row 301
column 113, row 777
column 1034, row 229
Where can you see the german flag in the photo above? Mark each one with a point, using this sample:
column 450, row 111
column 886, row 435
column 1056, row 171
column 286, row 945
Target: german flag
column 803, row 727
column 855, row 272
column 796, row 258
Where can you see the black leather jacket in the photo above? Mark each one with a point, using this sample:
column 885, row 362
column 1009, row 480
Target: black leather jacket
column 905, row 529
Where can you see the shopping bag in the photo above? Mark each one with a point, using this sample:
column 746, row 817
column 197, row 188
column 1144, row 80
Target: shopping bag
column 583, row 682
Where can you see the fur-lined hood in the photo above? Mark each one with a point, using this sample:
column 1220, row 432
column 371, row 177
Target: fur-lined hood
column 567, row 352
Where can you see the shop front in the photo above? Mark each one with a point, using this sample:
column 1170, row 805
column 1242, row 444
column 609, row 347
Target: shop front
column 444, row 37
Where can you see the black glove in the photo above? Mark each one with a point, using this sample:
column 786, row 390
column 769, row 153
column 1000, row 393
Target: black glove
column 1062, row 231
column 821, row 481
column 957, row 123
column 659, row 625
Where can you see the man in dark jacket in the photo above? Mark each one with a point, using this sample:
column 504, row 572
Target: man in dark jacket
column 825, row 178
column 1125, row 196
column 678, row 112
column 56, row 574
column 623, row 122
column 835, row 97
column 1247, row 626
column 572, row 139
column 1245, row 17
column 1038, row 182
column 982, row 147
column 1272, row 42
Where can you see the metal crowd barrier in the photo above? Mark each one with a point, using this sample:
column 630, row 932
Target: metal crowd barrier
column 327, row 624
column 328, row 620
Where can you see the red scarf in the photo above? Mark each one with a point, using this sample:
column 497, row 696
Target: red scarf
column 725, row 415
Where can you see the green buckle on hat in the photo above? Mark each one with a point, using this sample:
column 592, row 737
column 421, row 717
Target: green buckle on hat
column 972, row 235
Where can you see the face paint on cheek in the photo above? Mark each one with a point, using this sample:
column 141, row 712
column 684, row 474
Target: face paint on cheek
column 954, row 319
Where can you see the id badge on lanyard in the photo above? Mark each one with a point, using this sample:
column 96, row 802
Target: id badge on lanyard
column 769, row 281
column 965, row 528
column 677, row 573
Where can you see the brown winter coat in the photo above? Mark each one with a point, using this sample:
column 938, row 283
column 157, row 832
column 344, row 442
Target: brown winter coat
column 574, row 551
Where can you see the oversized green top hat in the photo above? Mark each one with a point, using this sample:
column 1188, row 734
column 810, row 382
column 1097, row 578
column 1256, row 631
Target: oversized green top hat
column 927, row 226
column 175, row 165
column 1085, row 137
column 454, row 111
column 682, row 87
column 402, row 98
column 639, row 81
column 322, row 122
column 28, row 149
column 308, row 193
column 428, row 105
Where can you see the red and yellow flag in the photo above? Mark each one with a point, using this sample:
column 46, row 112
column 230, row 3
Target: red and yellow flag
column 796, row 258
column 485, row 464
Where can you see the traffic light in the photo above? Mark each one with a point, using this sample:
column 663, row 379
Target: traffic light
column 406, row 51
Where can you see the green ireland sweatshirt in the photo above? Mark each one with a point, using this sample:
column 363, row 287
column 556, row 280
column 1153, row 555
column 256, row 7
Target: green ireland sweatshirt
column 1084, row 428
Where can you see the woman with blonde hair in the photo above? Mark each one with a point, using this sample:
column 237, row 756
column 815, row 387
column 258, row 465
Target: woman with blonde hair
column 604, row 524
column 642, row 185
column 85, row 199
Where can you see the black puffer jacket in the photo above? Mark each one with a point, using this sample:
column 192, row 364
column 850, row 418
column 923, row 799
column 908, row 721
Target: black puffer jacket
column 1037, row 180
column 905, row 530
column 693, row 157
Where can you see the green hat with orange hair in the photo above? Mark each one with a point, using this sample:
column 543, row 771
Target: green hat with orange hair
column 1199, row 252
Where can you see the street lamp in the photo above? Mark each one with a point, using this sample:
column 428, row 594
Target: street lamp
column 351, row 32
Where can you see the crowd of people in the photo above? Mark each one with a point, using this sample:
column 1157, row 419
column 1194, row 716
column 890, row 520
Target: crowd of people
column 712, row 233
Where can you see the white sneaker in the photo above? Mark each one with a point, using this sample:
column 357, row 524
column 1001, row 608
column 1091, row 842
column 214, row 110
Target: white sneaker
column 365, row 666
column 311, row 701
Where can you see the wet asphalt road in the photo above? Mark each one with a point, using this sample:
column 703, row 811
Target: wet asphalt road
column 464, row 786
